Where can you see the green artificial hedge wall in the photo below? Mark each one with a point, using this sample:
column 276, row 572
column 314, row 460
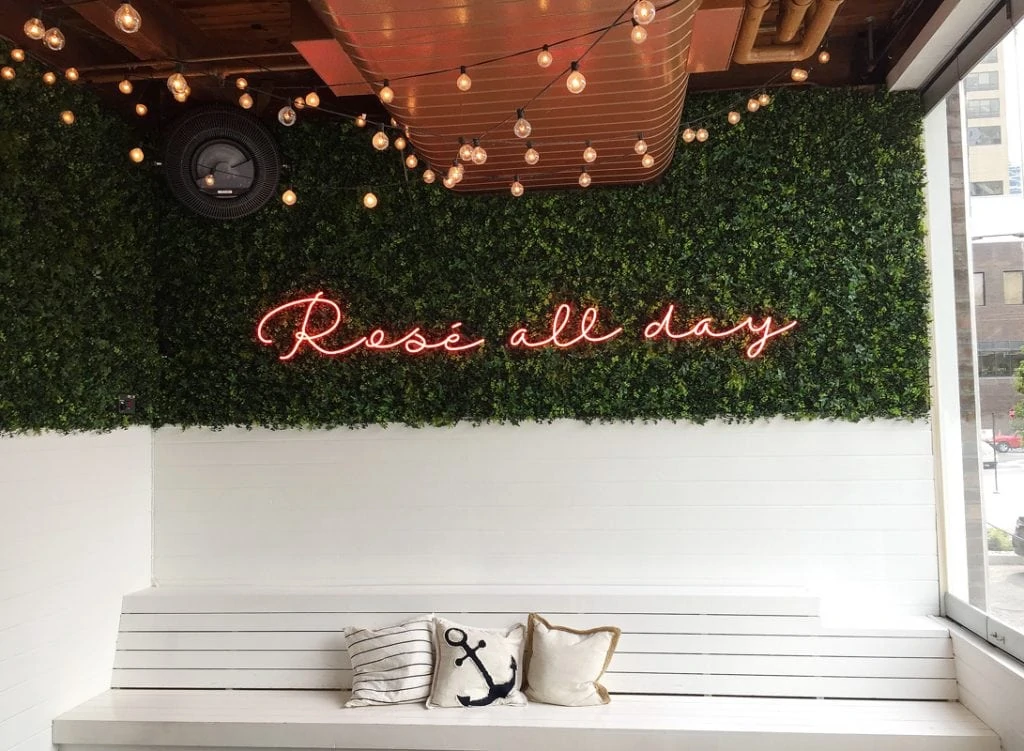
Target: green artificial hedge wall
column 810, row 210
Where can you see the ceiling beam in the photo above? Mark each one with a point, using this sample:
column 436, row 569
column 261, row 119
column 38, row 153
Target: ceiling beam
column 165, row 33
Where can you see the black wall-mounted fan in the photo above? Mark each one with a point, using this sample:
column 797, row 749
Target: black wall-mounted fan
column 221, row 162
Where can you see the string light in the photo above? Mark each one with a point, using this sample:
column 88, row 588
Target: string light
column 67, row 117
column 516, row 187
column 182, row 96
column 286, row 116
column 702, row 134
column 638, row 34
column 448, row 183
column 18, row 55
column 411, row 161
column 429, row 176
column 647, row 161
column 575, row 81
column 71, row 74
column 34, row 29
column 753, row 104
column 299, row 103
column 380, row 139
column 824, row 57
column 643, row 12
column 289, row 198
column 386, row 93
column 734, row 117
column 640, row 147
column 531, row 156
column 54, row 39
column 312, row 99
column 141, row 110
column 455, row 172
column 176, row 83
column 245, row 101
column 589, row 153
column 127, row 19
column 479, row 155
column 7, row 73
column 465, row 150
column 544, row 57
column 241, row 84
column 49, row 78
column 764, row 99
column 463, row 82
column 125, row 87
column 209, row 181
column 522, row 128
column 798, row 74
column 584, row 180
column 689, row 135
column 370, row 201
column 400, row 143
column 361, row 120
column 136, row 155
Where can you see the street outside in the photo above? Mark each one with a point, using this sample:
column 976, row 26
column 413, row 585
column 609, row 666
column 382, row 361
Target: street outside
column 1002, row 508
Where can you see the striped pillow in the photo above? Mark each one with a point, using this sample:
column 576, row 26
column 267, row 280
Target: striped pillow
column 391, row 665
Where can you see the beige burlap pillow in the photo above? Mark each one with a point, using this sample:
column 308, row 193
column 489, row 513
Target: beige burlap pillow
column 564, row 665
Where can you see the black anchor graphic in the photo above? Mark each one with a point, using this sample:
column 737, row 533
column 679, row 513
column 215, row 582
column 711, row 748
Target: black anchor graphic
column 499, row 691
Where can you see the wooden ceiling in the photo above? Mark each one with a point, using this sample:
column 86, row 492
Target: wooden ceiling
column 354, row 44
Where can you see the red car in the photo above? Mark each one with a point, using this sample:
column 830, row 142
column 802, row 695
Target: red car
column 1003, row 442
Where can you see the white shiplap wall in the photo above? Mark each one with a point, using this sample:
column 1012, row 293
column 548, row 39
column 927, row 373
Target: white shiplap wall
column 845, row 509
column 991, row 684
column 75, row 535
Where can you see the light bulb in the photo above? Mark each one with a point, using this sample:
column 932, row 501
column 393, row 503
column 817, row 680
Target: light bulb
column 54, row 39
column 286, row 116
column 464, row 82
column 49, row 78
column 141, row 110
column 516, row 188
column 429, row 176
column 640, row 147
column 465, row 151
column 370, row 201
column 298, row 103
column 734, row 117
column 753, row 104
column 455, row 172
column 448, row 183
column 522, row 128
column 361, row 121
column 125, row 87
column 34, row 29
column 176, row 83
column 312, row 99
column 544, row 57
column 209, row 180
column 245, row 101
column 643, row 12
column 411, row 161
column 241, row 84
column 380, row 140
column 479, row 154
column 394, row 123
column 798, row 74
column 182, row 96
column 824, row 56
column 575, row 81
column 127, row 19
column 638, row 34
column 7, row 73
column 764, row 99
column 702, row 134
column 689, row 135
column 18, row 55
column 386, row 94
column 71, row 74
column 289, row 198
column 531, row 156
column 589, row 154
column 136, row 155
column 584, row 180
column 67, row 117
column 400, row 143
column 647, row 161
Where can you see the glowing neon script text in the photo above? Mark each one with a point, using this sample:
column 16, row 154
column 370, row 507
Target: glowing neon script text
column 412, row 342
column 561, row 319
column 702, row 328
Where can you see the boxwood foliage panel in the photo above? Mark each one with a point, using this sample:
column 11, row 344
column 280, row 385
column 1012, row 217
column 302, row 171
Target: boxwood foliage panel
column 77, row 322
column 810, row 210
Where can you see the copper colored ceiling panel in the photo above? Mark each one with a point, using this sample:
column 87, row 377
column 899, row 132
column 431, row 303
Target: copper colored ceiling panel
column 631, row 88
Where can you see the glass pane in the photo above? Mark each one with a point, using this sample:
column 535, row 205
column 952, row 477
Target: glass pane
column 979, row 287
column 1013, row 287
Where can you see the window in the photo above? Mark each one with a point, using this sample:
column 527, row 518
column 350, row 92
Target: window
column 983, row 108
column 987, row 188
column 999, row 364
column 1013, row 287
column 984, row 135
column 979, row 284
column 991, row 58
column 987, row 80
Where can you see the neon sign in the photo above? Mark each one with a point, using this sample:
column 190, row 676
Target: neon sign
column 563, row 333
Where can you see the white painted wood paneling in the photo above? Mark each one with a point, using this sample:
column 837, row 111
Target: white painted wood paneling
column 75, row 535
column 846, row 510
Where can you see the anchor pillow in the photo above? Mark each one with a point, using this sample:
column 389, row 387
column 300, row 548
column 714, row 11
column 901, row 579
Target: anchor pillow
column 476, row 667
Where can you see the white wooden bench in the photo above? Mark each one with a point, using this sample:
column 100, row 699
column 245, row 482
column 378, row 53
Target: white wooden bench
column 695, row 669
